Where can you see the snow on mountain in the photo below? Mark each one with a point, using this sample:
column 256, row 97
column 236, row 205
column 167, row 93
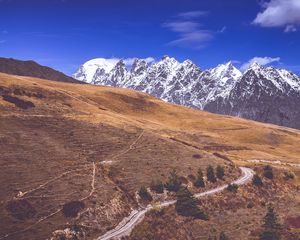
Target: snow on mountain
column 225, row 72
column 97, row 66
column 263, row 94
column 223, row 89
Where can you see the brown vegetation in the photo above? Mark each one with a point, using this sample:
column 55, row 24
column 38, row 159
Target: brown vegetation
column 47, row 152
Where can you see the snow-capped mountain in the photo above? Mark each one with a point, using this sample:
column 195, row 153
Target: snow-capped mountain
column 260, row 93
column 95, row 69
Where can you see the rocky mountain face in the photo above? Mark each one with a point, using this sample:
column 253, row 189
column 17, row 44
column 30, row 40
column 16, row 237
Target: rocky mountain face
column 33, row 69
column 263, row 94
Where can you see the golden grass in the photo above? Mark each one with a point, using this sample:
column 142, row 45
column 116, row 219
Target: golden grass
column 118, row 106
column 73, row 125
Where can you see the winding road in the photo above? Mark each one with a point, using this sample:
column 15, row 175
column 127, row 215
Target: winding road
column 125, row 227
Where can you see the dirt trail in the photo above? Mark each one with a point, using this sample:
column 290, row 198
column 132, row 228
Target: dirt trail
column 59, row 209
column 131, row 147
column 92, row 183
column 23, row 194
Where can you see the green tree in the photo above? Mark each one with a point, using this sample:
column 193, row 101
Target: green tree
column 268, row 172
column 144, row 194
column 210, row 174
column 220, row 172
column 232, row 187
column 223, row 236
column 173, row 183
column 257, row 180
column 157, row 186
column 186, row 205
column 271, row 226
column 199, row 181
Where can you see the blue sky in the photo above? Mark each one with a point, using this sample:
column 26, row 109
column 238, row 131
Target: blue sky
column 65, row 33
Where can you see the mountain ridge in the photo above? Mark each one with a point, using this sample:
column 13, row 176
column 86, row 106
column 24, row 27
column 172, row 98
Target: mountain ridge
column 32, row 69
column 222, row 89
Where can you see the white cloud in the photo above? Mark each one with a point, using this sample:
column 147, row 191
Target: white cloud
column 223, row 29
column 190, row 32
column 194, row 39
column 260, row 60
column 193, row 14
column 279, row 13
column 290, row 28
column 182, row 26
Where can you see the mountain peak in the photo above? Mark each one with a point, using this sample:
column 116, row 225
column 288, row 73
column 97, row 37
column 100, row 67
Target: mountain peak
column 165, row 57
column 120, row 63
column 254, row 66
column 229, row 64
column 188, row 61
column 225, row 72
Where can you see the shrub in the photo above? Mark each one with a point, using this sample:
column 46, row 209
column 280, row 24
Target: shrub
column 144, row 194
column 199, row 181
column 71, row 209
column 198, row 156
column 257, row 180
column 268, row 172
column 186, row 205
column 272, row 229
column 220, row 172
column 210, row 173
column 250, row 205
column 223, row 236
column 173, row 183
column 157, row 186
column 232, row 188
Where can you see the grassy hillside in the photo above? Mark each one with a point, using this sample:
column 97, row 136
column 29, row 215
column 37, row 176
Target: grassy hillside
column 62, row 142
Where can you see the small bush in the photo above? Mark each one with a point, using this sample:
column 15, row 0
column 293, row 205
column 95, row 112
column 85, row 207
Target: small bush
column 268, row 172
column 71, row 209
column 223, row 236
column 157, row 186
column 210, row 174
column 250, row 205
column 220, row 172
column 173, row 183
column 144, row 194
column 197, row 156
column 232, row 188
column 257, row 180
column 199, row 181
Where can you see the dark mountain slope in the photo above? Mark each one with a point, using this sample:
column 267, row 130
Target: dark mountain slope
column 33, row 69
